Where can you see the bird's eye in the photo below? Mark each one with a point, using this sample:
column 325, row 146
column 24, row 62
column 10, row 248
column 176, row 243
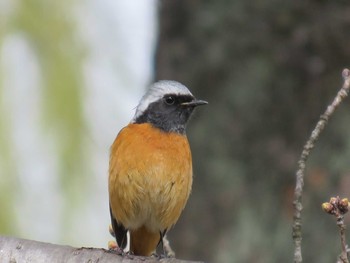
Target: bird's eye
column 170, row 100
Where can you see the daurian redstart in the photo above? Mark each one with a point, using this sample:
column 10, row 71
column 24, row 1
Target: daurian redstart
column 150, row 168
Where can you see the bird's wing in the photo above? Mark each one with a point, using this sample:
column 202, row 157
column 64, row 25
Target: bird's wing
column 119, row 230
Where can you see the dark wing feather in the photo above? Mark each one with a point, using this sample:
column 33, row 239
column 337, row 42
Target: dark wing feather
column 119, row 231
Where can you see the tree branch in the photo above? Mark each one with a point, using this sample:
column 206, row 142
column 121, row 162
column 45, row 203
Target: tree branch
column 297, row 230
column 338, row 208
column 22, row 250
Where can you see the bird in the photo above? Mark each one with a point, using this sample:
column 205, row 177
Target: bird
column 150, row 168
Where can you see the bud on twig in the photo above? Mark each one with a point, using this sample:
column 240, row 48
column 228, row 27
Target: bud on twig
column 339, row 207
column 328, row 208
column 336, row 206
column 344, row 205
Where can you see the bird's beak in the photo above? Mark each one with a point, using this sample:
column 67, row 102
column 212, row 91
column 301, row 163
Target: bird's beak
column 194, row 103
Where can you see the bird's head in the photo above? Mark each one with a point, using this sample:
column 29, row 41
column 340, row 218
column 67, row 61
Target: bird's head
column 167, row 105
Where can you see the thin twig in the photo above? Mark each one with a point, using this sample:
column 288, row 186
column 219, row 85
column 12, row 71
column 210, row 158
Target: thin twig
column 297, row 225
column 338, row 208
column 344, row 255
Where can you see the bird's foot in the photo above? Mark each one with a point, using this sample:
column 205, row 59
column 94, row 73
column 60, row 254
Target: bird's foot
column 113, row 247
column 129, row 255
column 162, row 256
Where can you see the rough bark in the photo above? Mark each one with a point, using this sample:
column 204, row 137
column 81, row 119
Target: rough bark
column 13, row 250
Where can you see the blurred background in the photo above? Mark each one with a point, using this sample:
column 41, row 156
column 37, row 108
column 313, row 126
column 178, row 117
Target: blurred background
column 71, row 75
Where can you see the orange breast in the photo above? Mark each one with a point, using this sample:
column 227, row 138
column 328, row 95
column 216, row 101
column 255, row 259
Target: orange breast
column 150, row 177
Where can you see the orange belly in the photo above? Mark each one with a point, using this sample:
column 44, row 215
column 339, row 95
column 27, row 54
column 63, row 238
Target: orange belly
column 150, row 178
